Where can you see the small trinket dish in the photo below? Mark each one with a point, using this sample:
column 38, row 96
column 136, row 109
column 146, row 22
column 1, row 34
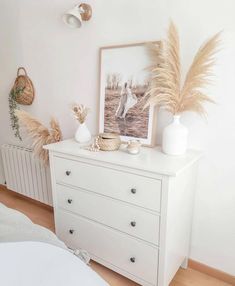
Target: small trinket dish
column 133, row 147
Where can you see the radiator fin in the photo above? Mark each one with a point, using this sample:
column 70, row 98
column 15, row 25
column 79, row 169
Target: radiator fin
column 25, row 174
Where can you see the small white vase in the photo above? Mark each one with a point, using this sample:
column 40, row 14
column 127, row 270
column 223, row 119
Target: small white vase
column 175, row 138
column 82, row 134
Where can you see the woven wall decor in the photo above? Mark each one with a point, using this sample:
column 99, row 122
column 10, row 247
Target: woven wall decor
column 23, row 84
column 23, row 93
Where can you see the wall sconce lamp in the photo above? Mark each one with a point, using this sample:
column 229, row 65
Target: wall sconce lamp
column 75, row 16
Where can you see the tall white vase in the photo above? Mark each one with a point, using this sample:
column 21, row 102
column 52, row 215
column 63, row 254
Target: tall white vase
column 82, row 134
column 175, row 138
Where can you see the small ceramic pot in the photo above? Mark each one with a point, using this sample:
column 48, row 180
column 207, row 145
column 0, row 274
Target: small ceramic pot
column 133, row 147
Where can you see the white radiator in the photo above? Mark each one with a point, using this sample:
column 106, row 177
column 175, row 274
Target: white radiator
column 25, row 174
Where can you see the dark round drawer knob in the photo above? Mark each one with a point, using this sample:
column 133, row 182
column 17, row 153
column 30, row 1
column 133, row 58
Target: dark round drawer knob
column 133, row 190
column 70, row 201
column 68, row 173
column 133, row 223
column 71, row 231
column 132, row 259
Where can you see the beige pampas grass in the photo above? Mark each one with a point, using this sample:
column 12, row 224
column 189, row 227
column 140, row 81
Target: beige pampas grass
column 39, row 133
column 166, row 89
column 80, row 112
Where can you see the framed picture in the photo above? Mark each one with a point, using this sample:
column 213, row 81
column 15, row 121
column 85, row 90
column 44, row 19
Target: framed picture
column 124, row 80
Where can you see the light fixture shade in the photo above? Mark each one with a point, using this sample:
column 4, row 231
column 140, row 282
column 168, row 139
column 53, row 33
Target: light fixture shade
column 73, row 17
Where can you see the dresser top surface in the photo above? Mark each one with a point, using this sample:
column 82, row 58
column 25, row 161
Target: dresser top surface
column 149, row 159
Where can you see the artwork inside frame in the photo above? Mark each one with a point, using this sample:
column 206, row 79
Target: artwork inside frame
column 124, row 80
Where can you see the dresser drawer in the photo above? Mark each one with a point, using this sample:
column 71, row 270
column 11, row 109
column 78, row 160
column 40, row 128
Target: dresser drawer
column 121, row 216
column 128, row 187
column 124, row 252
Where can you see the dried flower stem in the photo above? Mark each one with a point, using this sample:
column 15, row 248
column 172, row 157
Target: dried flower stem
column 166, row 89
column 80, row 112
column 39, row 133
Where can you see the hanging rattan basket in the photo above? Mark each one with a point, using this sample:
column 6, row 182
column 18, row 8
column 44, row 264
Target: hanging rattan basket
column 23, row 84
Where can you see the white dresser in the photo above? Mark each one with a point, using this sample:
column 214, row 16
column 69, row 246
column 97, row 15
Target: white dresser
column 132, row 213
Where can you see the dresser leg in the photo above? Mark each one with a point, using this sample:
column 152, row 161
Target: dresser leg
column 185, row 263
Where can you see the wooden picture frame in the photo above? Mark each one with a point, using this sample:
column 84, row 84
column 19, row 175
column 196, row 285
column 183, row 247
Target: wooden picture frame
column 124, row 80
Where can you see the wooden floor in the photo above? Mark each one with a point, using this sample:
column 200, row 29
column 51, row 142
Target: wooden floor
column 44, row 216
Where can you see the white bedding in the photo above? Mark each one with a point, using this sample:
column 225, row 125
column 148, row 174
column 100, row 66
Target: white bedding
column 15, row 226
column 41, row 264
column 31, row 255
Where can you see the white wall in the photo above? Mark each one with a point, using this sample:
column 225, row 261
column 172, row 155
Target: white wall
column 213, row 240
column 63, row 64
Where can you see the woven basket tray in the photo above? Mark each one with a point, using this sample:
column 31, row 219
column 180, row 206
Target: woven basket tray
column 24, row 83
column 109, row 141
